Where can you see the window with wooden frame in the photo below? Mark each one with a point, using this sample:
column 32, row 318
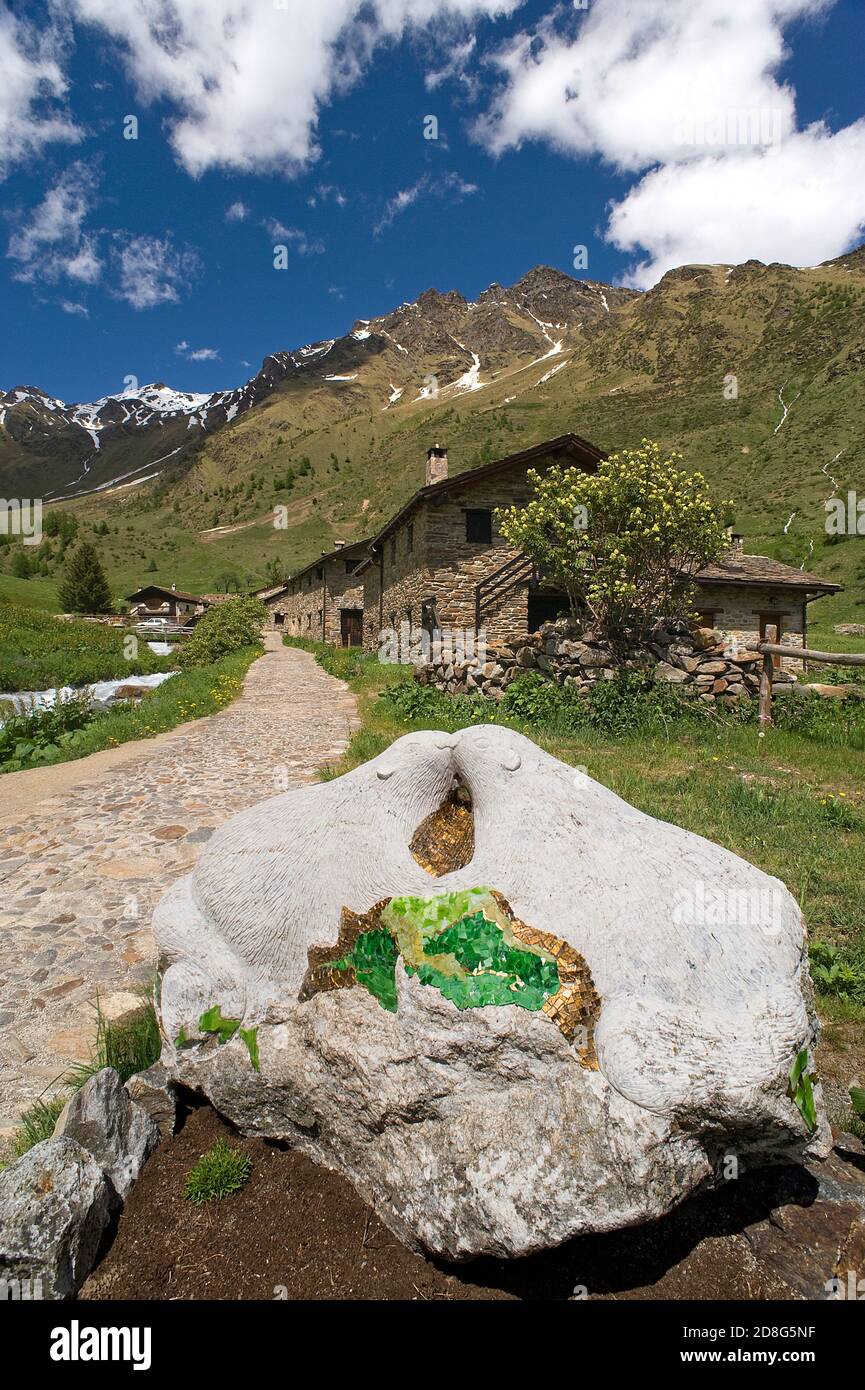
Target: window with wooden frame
column 479, row 525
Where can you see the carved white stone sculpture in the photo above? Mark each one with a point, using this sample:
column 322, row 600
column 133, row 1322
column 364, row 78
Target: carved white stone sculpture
column 477, row 1131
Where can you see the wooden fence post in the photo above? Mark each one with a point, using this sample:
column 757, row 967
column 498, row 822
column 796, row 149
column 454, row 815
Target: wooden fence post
column 766, row 680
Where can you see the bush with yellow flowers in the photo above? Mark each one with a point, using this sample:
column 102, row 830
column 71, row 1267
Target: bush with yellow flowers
column 623, row 543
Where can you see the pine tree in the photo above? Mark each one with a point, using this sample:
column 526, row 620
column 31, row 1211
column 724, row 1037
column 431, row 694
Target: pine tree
column 84, row 588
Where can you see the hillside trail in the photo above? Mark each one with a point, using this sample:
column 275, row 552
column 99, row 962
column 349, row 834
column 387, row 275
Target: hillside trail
column 87, row 849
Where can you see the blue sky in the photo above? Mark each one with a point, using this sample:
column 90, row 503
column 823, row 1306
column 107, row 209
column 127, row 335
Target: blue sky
column 298, row 124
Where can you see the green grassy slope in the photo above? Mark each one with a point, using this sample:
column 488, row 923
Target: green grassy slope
column 656, row 366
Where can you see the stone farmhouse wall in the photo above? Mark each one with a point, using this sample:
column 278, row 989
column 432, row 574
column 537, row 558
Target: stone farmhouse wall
column 311, row 603
column 736, row 611
column 427, row 559
column 699, row 661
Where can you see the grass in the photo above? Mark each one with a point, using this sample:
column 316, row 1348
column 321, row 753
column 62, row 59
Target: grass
column 129, row 1046
column 792, row 803
column 189, row 695
column 38, row 652
column 218, row 1173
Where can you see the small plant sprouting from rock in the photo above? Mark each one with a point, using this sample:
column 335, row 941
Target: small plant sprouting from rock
column 212, row 1021
column 801, row 1089
column 218, row 1173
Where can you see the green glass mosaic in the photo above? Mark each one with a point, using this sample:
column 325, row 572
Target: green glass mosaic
column 495, row 972
column 459, row 943
column 373, row 959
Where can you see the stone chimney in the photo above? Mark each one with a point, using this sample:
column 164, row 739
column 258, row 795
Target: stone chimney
column 736, row 540
column 436, row 465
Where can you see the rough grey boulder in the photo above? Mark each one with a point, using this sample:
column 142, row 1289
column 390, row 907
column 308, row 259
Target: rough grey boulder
column 478, row 1131
column 156, row 1093
column 54, row 1207
column 120, row 1134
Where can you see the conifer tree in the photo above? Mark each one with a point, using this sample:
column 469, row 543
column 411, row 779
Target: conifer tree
column 84, row 587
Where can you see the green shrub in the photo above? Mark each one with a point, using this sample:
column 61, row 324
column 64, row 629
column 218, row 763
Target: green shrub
column 837, row 971
column 225, row 627
column 412, row 703
column 218, row 1173
column 31, row 740
column 628, row 704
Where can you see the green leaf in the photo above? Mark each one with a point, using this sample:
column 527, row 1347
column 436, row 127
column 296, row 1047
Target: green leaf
column 857, row 1098
column 801, row 1090
column 213, row 1022
column 250, row 1037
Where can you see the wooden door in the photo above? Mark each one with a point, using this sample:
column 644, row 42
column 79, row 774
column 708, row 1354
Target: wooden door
column 351, row 627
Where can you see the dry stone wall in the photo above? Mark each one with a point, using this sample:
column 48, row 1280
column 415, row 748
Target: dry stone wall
column 698, row 660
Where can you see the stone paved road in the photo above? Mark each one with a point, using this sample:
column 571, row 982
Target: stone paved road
column 80, row 871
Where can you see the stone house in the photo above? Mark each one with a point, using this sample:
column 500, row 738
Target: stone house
column 441, row 562
column 743, row 594
column 324, row 601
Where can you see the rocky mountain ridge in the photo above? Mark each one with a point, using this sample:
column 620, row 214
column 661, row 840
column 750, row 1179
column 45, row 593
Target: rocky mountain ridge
column 122, row 437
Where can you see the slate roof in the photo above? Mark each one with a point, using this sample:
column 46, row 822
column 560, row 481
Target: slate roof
column 739, row 568
column 169, row 593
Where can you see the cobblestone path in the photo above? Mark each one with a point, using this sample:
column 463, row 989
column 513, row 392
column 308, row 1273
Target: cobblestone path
column 80, row 871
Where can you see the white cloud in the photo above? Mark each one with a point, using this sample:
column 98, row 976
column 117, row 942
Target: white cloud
column 70, row 306
column 449, row 185
column 454, row 66
column 293, row 236
column 688, row 95
column 248, row 80
column 801, row 202
column 31, row 90
column 236, row 212
column 152, row 270
column 327, row 192
column 53, row 244
column 637, row 75
column 206, row 354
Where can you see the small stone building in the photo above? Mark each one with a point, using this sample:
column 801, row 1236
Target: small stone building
column 441, row 562
column 440, row 565
column 742, row 595
column 323, row 601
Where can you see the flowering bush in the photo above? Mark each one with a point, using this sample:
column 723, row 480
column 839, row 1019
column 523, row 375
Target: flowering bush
column 624, row 543
column 225, row 627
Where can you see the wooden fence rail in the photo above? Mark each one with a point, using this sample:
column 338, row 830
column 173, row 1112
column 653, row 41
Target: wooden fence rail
column 771, row 648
